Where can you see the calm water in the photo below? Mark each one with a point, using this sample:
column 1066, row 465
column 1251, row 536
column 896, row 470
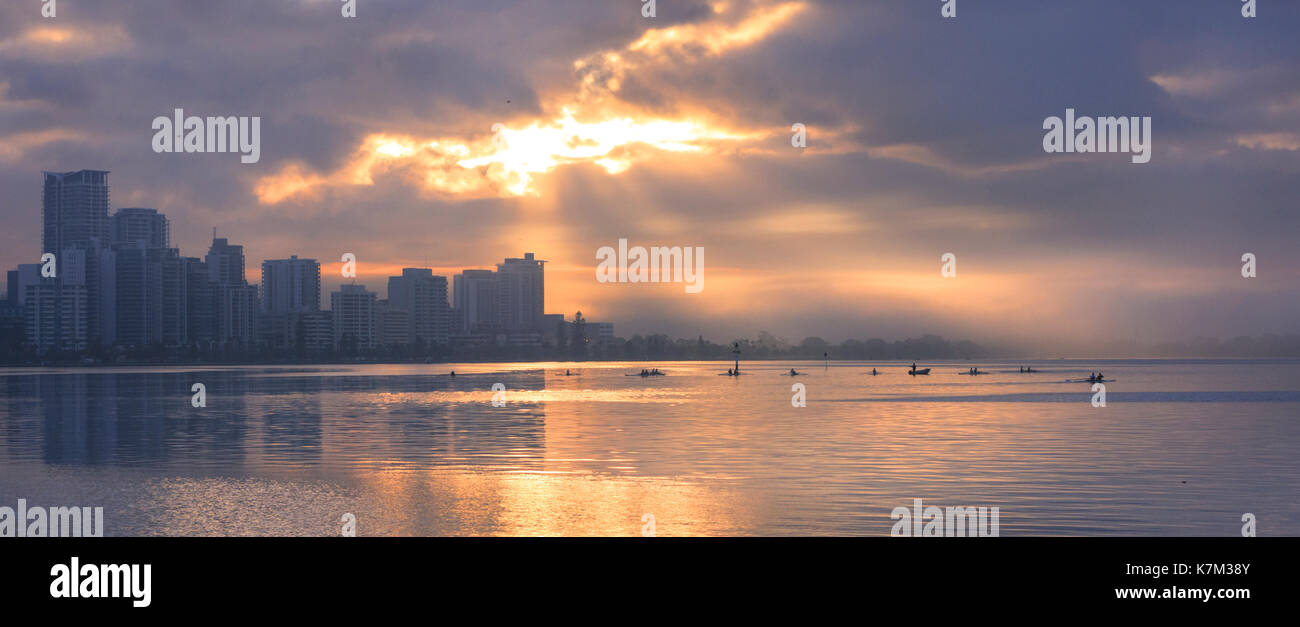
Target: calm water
column 1182, row 448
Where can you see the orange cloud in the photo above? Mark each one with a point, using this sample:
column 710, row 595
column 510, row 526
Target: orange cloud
column 714, row 37
column 68, row 43
column 586, row 129
column 13, row 147
column 1270, row 141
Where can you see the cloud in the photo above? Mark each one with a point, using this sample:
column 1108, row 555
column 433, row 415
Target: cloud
column 583, row 128
column 67, row 43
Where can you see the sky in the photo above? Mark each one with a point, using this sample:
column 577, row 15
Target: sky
column 924, row 137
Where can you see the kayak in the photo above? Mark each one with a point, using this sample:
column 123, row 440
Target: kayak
column 655, row 374
column 1089, row 380
column 724, row 374
column 921, row 371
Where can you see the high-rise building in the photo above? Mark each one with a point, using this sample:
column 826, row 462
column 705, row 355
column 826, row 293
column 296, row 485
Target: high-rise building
column 137, row 225
column 521, row 284
column 21, row 282
column 13, row 293
column 56, row 317
column 74, row 208
column 476, row 298
column 237, row 315
column 140, row 285
column 26, row 274
column 424, row 296
column 173, row 283
column 600, row 332
column 392, row 325
column 200, row 303
column 74, row 214
column 82, row 264
column 554, row 328
column 13, row 326
column 354, row 317
column 151, row 299
column 313, row 331
column 290, row 285
column 41, row 312
column 225, row 262
column 235, row 301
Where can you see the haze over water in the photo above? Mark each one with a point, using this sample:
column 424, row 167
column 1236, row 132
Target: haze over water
column 1182, row 448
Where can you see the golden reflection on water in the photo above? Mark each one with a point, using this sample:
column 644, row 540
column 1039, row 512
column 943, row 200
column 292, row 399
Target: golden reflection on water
column 581, row 480
column 412, row 451
column 549, row 504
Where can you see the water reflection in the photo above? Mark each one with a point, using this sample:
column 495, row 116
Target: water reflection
column 265, row 418
column 1181, row 448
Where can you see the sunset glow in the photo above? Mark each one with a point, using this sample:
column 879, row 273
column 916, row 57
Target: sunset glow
column 585, row 129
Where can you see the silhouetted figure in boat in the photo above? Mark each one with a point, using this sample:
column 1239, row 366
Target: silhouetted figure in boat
column 873, row 371
column 793, row 373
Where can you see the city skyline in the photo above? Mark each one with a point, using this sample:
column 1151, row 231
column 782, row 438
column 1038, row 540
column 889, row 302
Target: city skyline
column 473, row 305
column 677, row 130
column 114, row 279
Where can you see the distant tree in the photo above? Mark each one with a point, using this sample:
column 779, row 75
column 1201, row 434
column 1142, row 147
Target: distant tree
column 813, row 347
column 768, row 343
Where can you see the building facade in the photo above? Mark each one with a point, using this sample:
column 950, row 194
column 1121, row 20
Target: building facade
column 74, row 208
column 477, row 300
column 290, row 285
column 235, row 301
column 140, row 226
column 521, row 285
column 353, row 309
column 424, row 297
